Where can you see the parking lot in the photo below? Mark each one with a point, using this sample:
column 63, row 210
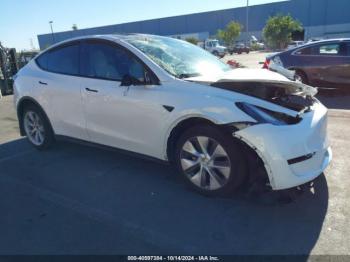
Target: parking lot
column 251, row 60
column 75, row 199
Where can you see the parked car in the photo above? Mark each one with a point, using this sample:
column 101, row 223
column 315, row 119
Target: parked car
column 255, row 44
column 173, row 101
column 213, row 46
column 294, row 44
column 239, row 48
column 325, row 64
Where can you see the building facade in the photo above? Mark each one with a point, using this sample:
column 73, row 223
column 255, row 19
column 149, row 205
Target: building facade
column 320, row 19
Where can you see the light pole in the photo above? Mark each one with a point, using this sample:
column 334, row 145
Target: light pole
column 247, row 21
column 53, row 37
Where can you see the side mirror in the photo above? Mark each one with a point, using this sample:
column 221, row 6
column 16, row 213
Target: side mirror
column 127, row 80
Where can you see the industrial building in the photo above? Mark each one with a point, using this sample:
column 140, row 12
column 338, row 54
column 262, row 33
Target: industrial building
column 320, row 19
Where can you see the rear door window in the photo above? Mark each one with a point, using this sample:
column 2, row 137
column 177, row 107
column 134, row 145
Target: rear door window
column 304, row 51
column 332, row 49
column 64, row 60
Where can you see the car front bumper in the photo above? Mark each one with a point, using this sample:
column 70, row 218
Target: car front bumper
column 292, row 154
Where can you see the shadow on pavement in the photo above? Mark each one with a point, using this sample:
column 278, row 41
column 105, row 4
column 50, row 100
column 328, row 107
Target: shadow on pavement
column 75, row 199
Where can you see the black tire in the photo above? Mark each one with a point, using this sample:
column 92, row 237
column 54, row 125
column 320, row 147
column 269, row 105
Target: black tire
column 238, row 163
column 301, row 76
column 216, row 53
column 48, row 134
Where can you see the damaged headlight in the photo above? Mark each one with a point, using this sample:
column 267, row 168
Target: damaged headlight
column 263, row 115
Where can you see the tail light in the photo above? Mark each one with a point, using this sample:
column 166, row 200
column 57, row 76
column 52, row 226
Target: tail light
column 266, row 64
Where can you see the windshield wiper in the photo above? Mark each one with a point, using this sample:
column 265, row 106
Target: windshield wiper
column 185, row 75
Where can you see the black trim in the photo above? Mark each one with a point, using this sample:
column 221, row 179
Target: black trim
column 169, row 108
column 300, row 158
column 105, row 147
column 91, row 90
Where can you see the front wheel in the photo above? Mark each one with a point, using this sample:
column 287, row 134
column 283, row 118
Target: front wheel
column 210, row 161
column 37, row 128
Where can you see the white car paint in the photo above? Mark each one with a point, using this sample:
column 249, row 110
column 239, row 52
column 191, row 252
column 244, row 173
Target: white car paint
column 310, row 135
column 133, row 118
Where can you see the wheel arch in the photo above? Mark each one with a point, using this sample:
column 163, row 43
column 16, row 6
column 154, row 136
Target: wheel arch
column 301, row 71
column 259, row 170
column 22, row 104
column 179, row 128
column 182, row 125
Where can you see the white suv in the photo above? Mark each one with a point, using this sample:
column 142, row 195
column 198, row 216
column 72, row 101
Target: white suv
column 173, row 101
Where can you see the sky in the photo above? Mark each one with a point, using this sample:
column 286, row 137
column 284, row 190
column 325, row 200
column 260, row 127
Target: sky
column 22, row 20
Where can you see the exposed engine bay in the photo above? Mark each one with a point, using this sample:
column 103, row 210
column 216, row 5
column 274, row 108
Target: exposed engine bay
column 292, row 95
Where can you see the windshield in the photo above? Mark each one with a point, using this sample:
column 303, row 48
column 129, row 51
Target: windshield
column 179, row 58
column 214, row 43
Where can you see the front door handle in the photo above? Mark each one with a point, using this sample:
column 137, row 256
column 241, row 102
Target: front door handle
column 42, row 83
column 91, row 90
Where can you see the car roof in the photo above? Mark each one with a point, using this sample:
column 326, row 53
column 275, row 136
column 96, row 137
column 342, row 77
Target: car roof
column 311, row 44
column 106, row 37
column 324, row 41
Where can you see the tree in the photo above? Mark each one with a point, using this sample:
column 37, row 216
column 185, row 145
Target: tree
column 192, row 40
column 74, row 27
column 230, row 33
column 278, row 30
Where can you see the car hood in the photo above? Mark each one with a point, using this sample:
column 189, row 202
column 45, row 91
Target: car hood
column 239, row 74
column 263, row 84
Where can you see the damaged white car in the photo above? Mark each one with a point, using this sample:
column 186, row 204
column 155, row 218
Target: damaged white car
column 171, row 100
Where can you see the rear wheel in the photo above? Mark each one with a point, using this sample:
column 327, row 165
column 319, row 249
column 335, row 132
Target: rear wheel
column 210, row 161
column 216, row 53
column 37, row 128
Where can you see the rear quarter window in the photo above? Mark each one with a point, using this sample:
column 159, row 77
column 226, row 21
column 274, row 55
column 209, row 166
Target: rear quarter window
column 42, row 60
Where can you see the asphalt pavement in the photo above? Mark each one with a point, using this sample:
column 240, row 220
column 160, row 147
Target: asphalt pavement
column 74, row 199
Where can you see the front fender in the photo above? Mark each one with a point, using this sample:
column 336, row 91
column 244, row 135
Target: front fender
column 217, row 115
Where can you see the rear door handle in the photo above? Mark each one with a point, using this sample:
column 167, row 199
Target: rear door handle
column 42, row 83
column 91, row 90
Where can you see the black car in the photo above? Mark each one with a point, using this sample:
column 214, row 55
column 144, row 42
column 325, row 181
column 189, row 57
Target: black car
column 239, row 49
column 324, row 64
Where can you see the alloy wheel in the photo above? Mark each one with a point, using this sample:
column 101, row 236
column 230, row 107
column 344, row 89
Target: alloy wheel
column 34, row 128
column 205, row 162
